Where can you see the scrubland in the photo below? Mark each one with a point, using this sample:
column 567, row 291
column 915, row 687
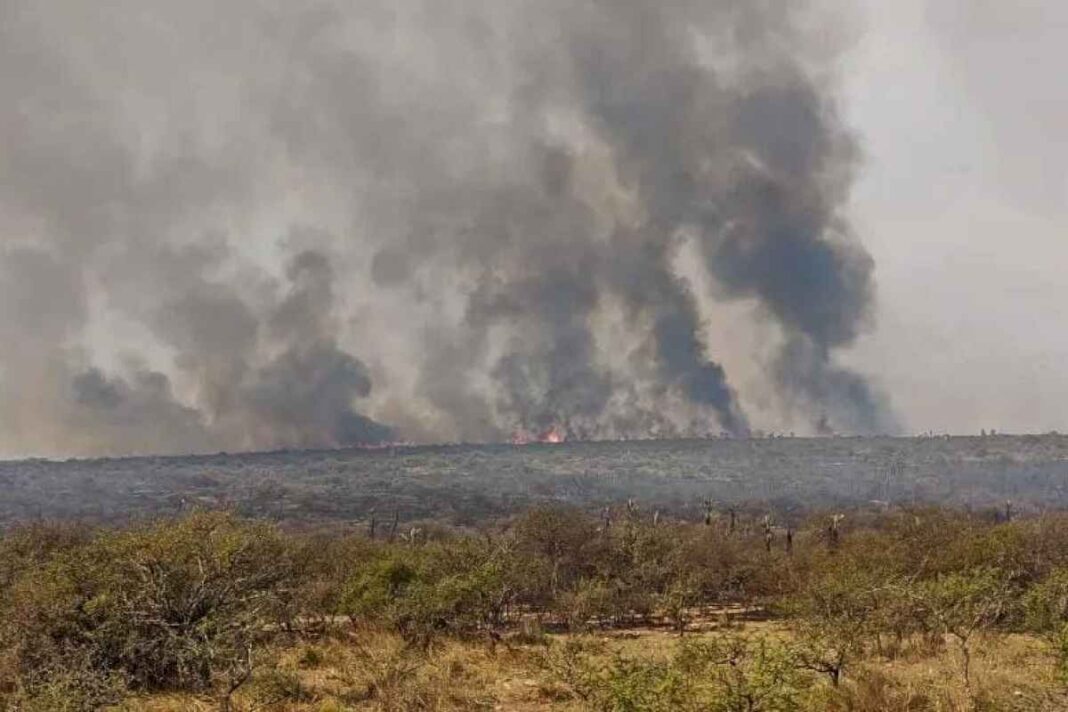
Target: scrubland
column 908, row 609
column 468, row 484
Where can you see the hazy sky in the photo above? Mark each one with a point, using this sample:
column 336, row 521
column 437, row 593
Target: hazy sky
column 963, row 107
column 262, row 224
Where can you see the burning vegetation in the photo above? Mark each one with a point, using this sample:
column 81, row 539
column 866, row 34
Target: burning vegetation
column 551, row 436
column 541, row 224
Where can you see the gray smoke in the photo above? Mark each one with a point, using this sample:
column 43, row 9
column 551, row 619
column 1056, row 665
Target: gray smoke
column 221, row 226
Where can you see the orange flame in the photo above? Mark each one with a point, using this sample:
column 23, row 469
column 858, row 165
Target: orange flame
column 553, row 436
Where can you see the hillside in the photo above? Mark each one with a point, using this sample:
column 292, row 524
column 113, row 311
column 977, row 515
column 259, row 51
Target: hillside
column 464, row 483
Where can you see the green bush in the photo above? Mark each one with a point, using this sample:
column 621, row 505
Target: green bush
column 166, row 606
column 426, row 591
column 377, row 588
column 1045, row 608
column 1045, row 605
column 724, row 674
column 29, row 547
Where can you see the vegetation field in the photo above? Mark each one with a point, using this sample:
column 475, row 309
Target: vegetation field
column 555, row 608
column 466, row 484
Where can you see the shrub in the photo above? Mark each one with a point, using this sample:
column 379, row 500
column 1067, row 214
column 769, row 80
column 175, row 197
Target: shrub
column 1045, row 608
column 559, row 547
column 960, row 605
column 835, row 618
column 421, row 592
column 76, row 686
column 724, row 674
column 871, row 691
column 1045, row 605
column 274, row 687
column 677, row 601
column 167, row 606
column 375, row 591
column 29, row 547
column 593, row 602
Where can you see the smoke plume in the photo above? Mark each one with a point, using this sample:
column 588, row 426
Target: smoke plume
column 269, row 224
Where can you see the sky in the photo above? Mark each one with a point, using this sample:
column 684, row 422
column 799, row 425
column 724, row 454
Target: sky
column 263, row 224
column 963, row 202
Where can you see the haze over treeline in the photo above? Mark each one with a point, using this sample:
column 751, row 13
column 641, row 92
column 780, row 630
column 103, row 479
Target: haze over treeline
column 269, row 224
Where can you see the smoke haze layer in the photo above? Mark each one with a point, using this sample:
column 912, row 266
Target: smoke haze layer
column 266, row 224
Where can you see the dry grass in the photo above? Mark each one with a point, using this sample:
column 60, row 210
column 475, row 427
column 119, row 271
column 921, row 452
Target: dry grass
column 376, row 671
column 1009, row 672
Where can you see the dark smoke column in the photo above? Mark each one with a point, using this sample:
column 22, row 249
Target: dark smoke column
column 750, row 158
column 252, row 225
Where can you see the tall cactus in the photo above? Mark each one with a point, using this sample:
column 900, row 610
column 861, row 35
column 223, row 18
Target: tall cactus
column 833, row 533
column 393, row 527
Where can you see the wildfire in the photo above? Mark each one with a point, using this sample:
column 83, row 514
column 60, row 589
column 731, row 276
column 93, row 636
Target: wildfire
column 553, row 436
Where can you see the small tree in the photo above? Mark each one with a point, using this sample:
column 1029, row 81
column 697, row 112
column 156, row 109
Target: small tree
column 834, row 618
column 682, row 595
column 1046, row 614
column 751, row 675
column 556, row 542
column 960, row 605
